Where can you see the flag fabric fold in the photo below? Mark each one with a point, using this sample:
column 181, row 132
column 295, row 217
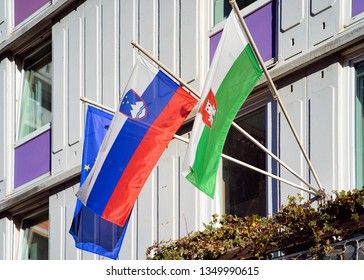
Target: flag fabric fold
column 233, row 74
column 150, row 112
column 90, row 232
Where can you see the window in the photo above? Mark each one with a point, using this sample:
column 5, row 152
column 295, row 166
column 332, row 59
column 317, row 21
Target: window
column 359, row 123
column 34, row 234
column 36, row 97
column 222, row 8
column 25, row 8
column 245, row 189
column 357, row 7
column 260, row 17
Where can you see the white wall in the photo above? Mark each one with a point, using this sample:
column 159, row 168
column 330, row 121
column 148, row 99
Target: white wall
column 304, row 24
column 3, row 90
column 5, row 239
column 312, row 96
column 315, row 102
column 3, row 20
column 7, row 101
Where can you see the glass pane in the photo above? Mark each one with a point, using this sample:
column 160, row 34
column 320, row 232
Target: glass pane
column 36, row 95
column 222, row 8
column 245, row 189
column 25, row 8
column 357, row 7
column 359, row 124
column 35, row 238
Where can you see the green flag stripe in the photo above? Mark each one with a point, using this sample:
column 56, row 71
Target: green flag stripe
column 233, row 91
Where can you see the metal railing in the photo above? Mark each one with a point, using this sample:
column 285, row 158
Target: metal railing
column 349, row 249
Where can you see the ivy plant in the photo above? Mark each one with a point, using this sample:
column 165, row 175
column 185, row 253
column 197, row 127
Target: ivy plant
column 296, row 226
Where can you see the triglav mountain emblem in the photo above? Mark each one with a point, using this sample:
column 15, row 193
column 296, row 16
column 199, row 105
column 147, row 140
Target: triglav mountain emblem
column 133, row 106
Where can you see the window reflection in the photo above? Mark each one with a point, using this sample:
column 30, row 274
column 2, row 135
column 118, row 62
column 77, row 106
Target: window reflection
column 359, row 124
column 34, row 237
column 36, row 98
column 245, row 189
column 222, row 8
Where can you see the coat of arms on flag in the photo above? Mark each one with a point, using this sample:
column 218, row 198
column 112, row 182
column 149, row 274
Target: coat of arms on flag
column 208, row 109
column 133, row 106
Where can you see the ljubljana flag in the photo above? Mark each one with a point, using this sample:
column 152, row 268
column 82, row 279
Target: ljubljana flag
column 151, row 110
column 233, row 74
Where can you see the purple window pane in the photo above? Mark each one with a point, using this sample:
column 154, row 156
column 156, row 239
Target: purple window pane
column 261, row 25
column 32, row 159
column 25, row 8
column 357, row 7
column 214, row 40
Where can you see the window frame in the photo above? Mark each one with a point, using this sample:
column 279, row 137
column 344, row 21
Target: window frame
column 31, row 15
column 25, row 214
column 348, row 19
column 350, row 59
column 245, row 115
column 258, row 100
column 47, row 49
column 216, row 28
column 355, row 124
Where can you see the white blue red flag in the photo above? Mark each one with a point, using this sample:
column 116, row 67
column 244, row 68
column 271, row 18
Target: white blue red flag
column 151, row 110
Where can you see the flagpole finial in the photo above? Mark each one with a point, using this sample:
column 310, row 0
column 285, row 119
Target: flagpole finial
column 233, row 4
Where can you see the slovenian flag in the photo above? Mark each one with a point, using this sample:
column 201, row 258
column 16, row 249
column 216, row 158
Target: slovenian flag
column 151, row 110
column 90, row 232
column 233, row 73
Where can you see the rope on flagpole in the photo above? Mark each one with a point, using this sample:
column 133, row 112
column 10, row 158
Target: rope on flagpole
column 185, row 140
column 165, row 68
column 273, row 90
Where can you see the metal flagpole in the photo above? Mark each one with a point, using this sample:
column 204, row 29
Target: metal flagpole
column 183, row 139
column 268, row 174
column 273, row 89
column 165, row 68
column 251, row 138
column 103, row 107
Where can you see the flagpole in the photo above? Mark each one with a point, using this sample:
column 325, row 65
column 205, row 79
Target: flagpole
column 273, row 89
column 165, row 68
column 246, row 134
column 103, row 107
column 268, row 174
column 185, row 140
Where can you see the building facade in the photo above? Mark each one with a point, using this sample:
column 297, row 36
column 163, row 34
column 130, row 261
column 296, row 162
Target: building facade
column 52, row 53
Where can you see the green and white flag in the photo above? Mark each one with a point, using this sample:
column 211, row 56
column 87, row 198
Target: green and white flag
column 233, row 73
